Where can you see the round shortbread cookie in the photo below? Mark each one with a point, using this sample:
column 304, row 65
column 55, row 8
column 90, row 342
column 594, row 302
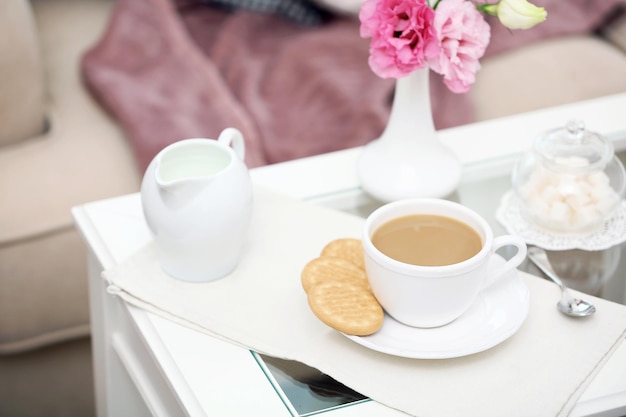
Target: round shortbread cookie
column 346, row 248
column 346, row 307
column 328, row 268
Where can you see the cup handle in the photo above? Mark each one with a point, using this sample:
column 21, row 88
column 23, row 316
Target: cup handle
column 233, row 138
column 514, row 262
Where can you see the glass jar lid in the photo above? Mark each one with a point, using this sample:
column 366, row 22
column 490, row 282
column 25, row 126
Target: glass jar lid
column 574, row 149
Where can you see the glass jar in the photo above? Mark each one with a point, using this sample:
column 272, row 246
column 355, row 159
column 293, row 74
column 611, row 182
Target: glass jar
column 570, row 181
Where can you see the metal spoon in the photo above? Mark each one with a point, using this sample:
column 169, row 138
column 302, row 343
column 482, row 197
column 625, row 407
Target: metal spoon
column 568, row 304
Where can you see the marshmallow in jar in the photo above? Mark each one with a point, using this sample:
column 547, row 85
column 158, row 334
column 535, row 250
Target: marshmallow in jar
column 570, row 181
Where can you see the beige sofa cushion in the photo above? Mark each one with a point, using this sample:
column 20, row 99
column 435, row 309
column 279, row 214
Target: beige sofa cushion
column 550, row 73
column 21, row 99
column 44, row 291
column 82, row 157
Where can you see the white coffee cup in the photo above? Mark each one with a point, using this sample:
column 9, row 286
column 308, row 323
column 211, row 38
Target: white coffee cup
column 433, row 296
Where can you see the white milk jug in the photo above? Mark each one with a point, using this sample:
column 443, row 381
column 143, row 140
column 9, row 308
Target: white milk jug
column 197, row 201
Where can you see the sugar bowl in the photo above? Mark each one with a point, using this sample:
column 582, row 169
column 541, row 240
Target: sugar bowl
column 570, row 181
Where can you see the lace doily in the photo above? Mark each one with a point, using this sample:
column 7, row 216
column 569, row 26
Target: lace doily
column 509, row 214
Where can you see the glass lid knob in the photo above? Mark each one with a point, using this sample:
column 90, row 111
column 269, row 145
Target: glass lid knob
column 574, row 148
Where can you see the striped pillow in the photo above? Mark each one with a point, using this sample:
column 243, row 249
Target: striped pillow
column 300, row 11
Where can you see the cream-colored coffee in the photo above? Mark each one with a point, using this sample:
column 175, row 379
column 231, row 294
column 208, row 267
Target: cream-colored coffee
column 427, row 240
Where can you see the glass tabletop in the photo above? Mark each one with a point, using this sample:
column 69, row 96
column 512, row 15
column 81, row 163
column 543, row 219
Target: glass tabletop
column 599, row 273
column 306, row 391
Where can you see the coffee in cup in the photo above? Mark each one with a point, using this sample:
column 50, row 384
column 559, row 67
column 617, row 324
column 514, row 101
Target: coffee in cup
column 428, row 259
column 427, row 240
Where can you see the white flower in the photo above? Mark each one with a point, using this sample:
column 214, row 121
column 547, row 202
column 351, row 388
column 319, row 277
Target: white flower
column 519, row 14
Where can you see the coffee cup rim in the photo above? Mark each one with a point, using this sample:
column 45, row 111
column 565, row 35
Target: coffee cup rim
column 397, row 209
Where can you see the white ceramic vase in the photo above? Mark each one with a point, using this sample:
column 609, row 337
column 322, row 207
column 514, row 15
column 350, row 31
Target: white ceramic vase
column 408, row 160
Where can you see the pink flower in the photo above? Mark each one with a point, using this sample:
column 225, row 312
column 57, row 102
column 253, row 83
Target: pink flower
column 403, row 36
column 447, row 36
column 463, row 36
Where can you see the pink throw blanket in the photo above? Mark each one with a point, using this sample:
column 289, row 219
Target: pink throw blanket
column 173, row 70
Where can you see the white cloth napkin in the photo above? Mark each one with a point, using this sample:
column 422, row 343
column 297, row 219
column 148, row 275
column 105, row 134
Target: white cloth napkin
column 540, row 371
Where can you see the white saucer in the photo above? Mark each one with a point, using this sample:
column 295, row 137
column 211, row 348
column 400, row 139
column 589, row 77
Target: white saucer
column 496, row 315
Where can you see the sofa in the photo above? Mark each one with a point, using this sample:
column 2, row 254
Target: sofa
column 60, row 148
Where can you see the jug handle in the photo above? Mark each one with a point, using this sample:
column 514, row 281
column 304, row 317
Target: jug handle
column 233, row 138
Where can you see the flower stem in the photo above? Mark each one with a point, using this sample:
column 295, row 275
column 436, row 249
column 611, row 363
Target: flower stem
column 488, row 8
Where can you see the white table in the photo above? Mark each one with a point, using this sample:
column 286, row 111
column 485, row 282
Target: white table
column 146, row 365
